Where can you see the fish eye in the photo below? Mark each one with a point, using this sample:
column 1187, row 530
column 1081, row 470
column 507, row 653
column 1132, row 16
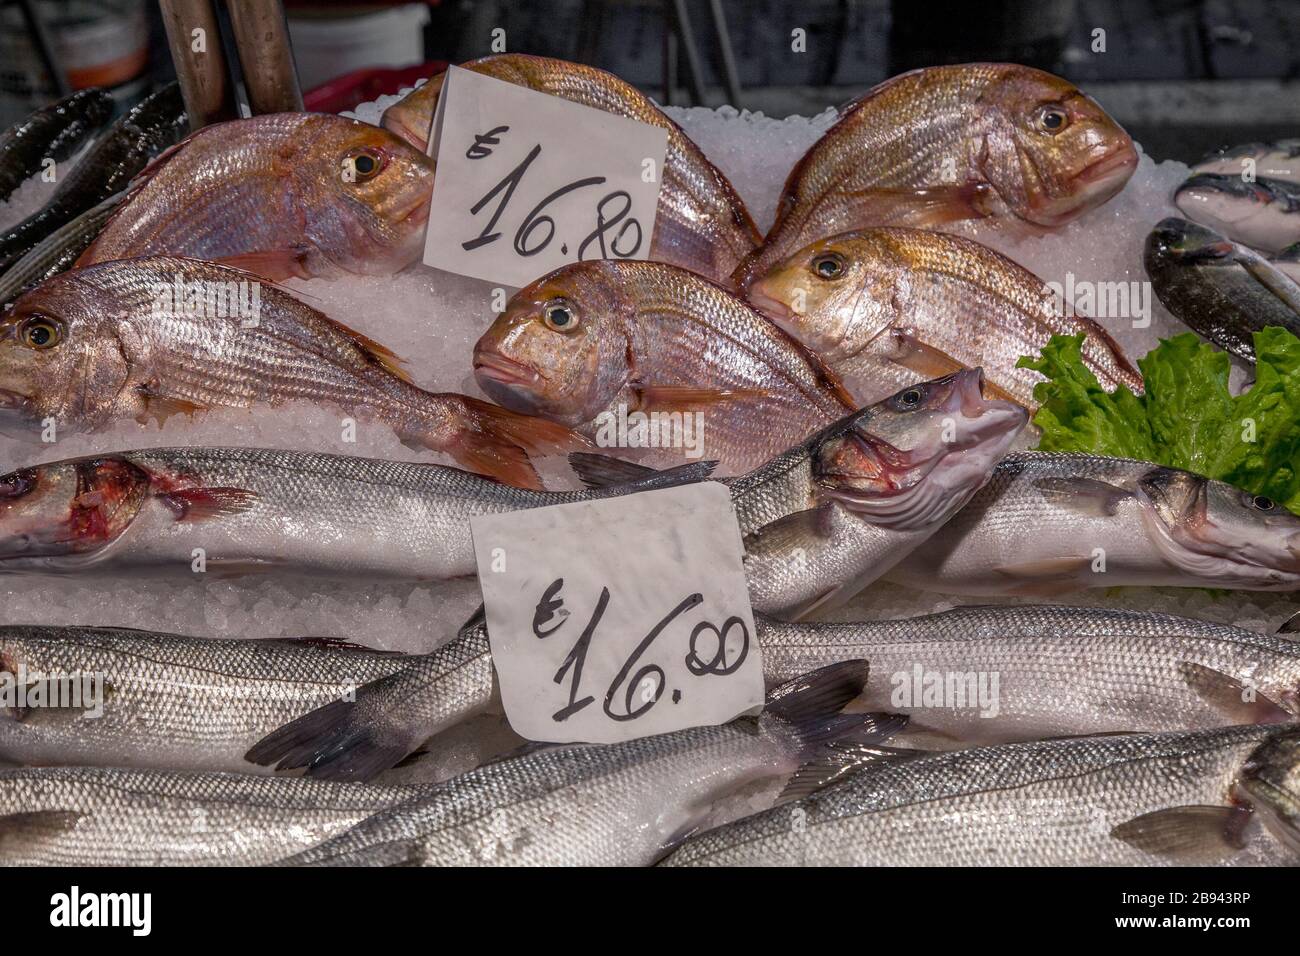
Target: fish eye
column 364, row 164
column 17, row 483
column 909, row 398
column 560, row 316
column 830, row 265
column 40, row 332
column 1052, row 119
column 1258, row 502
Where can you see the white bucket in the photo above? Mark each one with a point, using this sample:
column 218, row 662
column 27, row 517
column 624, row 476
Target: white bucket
column 328, row 46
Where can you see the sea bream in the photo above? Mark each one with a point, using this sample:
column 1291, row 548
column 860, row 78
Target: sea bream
column 971, row 675
column 884, row 307
column 124, row 698
column 1219, row 288
column 701, row 223
column 90, row 816
column 948, row 143
column 619, row 804
column 1262, row 213
column 141, row 338
column 1050, row 523
column 1227, row 797
column 52, row 132
column 594, row 342
column 820, row 520
column 312, row 195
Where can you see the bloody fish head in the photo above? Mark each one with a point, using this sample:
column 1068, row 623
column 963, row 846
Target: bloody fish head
column 63, row 515
column 560, row 349
column 918, row 456
column 59, row 355
column 1214, row 530
column 366, row 194
column 834, row 295
column 1051, row 152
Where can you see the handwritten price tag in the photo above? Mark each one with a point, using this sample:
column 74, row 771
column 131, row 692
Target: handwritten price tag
column 527, row 182
column 620, row 618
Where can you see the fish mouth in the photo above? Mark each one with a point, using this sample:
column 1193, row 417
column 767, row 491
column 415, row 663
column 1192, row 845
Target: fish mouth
column 1118, row 162
column 504, row 371
column 774, row 309
column 396, row 126
column 1093, row 185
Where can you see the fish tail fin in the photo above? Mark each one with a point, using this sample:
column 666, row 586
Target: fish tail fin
column 348, row 739
column 498, row 442
column 831, row 743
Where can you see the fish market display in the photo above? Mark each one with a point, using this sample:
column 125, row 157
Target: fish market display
column 823, row 519
column 701, row 224
column 52, row 132
column 1279, row 160
column 124, row 698
column 286, row 194
column 1263, row 213
column 1223, row 290
column 155, row 336
column 1052, row 523
column 593, row 342
column 1218, row 797
column 948, row 143
column 87, row 816
column 619, row 804
column 884, row 307
column 146, row 130
column 1060, row 671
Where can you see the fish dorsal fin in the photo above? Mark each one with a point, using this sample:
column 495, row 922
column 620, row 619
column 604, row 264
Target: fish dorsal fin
column 330, row 644
column 1192, row 835
column 381, row 355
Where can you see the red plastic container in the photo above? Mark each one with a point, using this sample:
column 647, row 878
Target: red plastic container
column 362, row 86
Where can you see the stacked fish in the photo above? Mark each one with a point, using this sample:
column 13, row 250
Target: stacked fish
column 1234, row 268
column 858, row 375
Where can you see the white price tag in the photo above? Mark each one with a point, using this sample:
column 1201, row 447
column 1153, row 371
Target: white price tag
column 621, row 617
column 527, row 182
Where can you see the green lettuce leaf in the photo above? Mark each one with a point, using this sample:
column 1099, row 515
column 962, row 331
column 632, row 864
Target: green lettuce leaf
column 1186, row 417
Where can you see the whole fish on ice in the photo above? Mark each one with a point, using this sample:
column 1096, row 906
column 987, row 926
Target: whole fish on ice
column 1049, row 523
column 1228, row 797
column 1262, row 213
column 284, row 194
column 52, row 132
column 150, row 337
column 947, row 143
column 701, row 223
column 884, row 307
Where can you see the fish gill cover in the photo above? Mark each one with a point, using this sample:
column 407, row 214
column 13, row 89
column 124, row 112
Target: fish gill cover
column 1186, row 417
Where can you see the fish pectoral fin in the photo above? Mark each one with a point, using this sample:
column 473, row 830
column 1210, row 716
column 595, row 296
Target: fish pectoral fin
column 22, row 834
column 1085, row 496
column 163, row 407
column 202, row 504
column 1232, row 698
column 931, row 206
column 789, row 530
column 1045, row 577
column 1192, row 835
column 682, row 397
column 273, row 264
column 605, row 471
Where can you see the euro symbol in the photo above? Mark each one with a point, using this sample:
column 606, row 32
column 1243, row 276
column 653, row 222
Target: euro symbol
column 483, row 140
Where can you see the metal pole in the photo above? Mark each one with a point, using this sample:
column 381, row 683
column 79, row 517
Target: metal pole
column 729, row 74
column 44, row 48
column 265, row 56
column 200, row 62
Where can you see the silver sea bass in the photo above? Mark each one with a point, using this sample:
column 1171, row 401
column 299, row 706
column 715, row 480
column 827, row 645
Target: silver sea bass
column 1051, row 523
column 963, row 677
column 87, row 816
column 1225, row 797
column 126, row 698
column 821, row 520
column 619, row 804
